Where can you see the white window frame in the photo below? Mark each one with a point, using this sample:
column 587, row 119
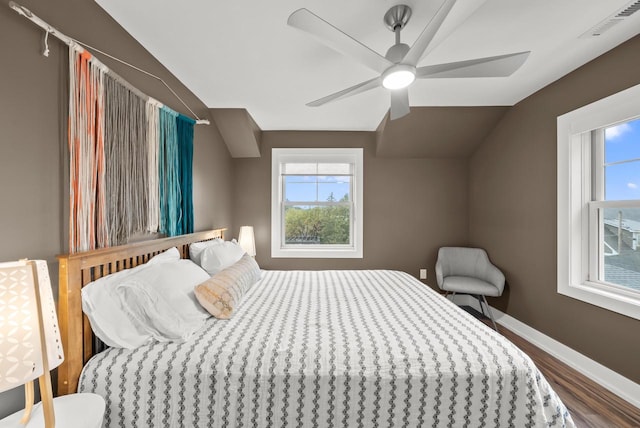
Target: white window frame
column 281, row 156
column 577, row 222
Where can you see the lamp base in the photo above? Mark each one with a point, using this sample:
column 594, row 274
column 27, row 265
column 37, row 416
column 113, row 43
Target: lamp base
column 72, row 411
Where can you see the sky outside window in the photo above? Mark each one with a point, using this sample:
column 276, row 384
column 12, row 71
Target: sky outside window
column 316, row 188
column 622, row 143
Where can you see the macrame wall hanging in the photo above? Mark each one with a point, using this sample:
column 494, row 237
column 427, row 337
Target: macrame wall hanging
column 130, row 157
column 130, row 160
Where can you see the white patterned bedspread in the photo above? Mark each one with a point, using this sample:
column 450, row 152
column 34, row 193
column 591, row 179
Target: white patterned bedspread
column 329, row 349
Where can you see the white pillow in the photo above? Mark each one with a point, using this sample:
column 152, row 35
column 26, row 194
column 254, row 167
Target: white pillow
column 103, row 307
column 215, row 258
column 195, row 249
column 161, row 299
column 171, row 255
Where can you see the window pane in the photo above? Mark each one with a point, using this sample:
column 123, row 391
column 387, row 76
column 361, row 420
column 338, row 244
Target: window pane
column 622, row 181
column 309, row 224
column 317, row 188
column 301, row 189
column 621, row 247
column 334, row 189
column 622, row 141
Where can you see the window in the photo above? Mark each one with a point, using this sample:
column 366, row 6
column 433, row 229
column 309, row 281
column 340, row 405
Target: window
column 316, row 203
column 599, row 203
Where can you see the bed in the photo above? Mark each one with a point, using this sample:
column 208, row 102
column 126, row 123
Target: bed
column 313, row 348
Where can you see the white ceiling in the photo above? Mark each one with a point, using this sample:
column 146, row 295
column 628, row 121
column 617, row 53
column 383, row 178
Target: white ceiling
column 242, row 54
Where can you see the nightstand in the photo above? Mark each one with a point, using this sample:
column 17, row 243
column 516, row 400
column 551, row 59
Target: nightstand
column 72, row 411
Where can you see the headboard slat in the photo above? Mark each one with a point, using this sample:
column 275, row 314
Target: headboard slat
column 79, row 269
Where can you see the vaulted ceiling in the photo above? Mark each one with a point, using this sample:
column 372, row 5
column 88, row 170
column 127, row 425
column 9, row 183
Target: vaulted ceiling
column 242, row 54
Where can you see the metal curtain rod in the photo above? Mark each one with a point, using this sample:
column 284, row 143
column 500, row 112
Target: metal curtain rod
column 21, row 10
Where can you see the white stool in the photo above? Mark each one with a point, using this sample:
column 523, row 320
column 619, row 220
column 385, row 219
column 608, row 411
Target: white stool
column 72, row 411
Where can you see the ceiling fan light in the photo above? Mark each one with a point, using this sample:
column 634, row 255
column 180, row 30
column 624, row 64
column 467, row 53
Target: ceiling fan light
column 398, row 77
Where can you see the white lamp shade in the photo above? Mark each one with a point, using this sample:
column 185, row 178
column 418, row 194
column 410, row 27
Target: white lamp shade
column 21, row 354
column 247, row 241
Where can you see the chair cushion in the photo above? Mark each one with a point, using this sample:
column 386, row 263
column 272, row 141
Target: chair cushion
column 468, row 285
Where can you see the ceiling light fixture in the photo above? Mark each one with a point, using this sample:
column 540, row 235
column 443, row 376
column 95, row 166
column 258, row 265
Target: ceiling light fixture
column 398, row 76
column 397, row 69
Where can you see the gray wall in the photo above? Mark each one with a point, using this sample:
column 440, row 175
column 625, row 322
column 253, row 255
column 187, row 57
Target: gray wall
column 503, row 198
column 33, row 144
column 411, row 206
column 513, row 213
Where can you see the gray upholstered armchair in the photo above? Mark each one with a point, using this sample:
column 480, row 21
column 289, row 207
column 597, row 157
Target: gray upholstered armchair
column 468, row 271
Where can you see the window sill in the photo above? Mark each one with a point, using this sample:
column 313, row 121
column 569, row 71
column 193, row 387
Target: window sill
column 604, row 296
column 316, row 253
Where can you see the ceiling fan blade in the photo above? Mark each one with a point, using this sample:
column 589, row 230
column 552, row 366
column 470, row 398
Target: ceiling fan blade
column 307, row 21
column 399, row 103
column 493, row 66
column 353, row 90
column 420, row 45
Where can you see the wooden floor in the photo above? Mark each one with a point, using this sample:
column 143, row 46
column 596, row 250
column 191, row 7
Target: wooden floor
column 590, row 405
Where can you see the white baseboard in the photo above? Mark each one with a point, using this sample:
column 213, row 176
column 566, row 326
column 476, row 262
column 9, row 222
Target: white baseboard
column 614, row 382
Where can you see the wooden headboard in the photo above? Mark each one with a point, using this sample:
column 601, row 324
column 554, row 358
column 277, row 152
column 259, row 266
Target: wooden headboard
column 79, row 269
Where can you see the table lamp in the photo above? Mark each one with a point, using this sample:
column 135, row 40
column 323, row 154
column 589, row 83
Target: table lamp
column 30, row 344
column 247, row 241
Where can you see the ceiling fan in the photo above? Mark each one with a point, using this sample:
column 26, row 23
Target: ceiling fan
column 398, row 68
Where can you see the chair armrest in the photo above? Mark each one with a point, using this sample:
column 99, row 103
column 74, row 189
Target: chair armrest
column 495, row 277
column 439, row 273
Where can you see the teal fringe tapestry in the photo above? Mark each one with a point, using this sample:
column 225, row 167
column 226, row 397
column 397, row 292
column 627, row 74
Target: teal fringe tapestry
column 185, row 143
column 168, row 164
